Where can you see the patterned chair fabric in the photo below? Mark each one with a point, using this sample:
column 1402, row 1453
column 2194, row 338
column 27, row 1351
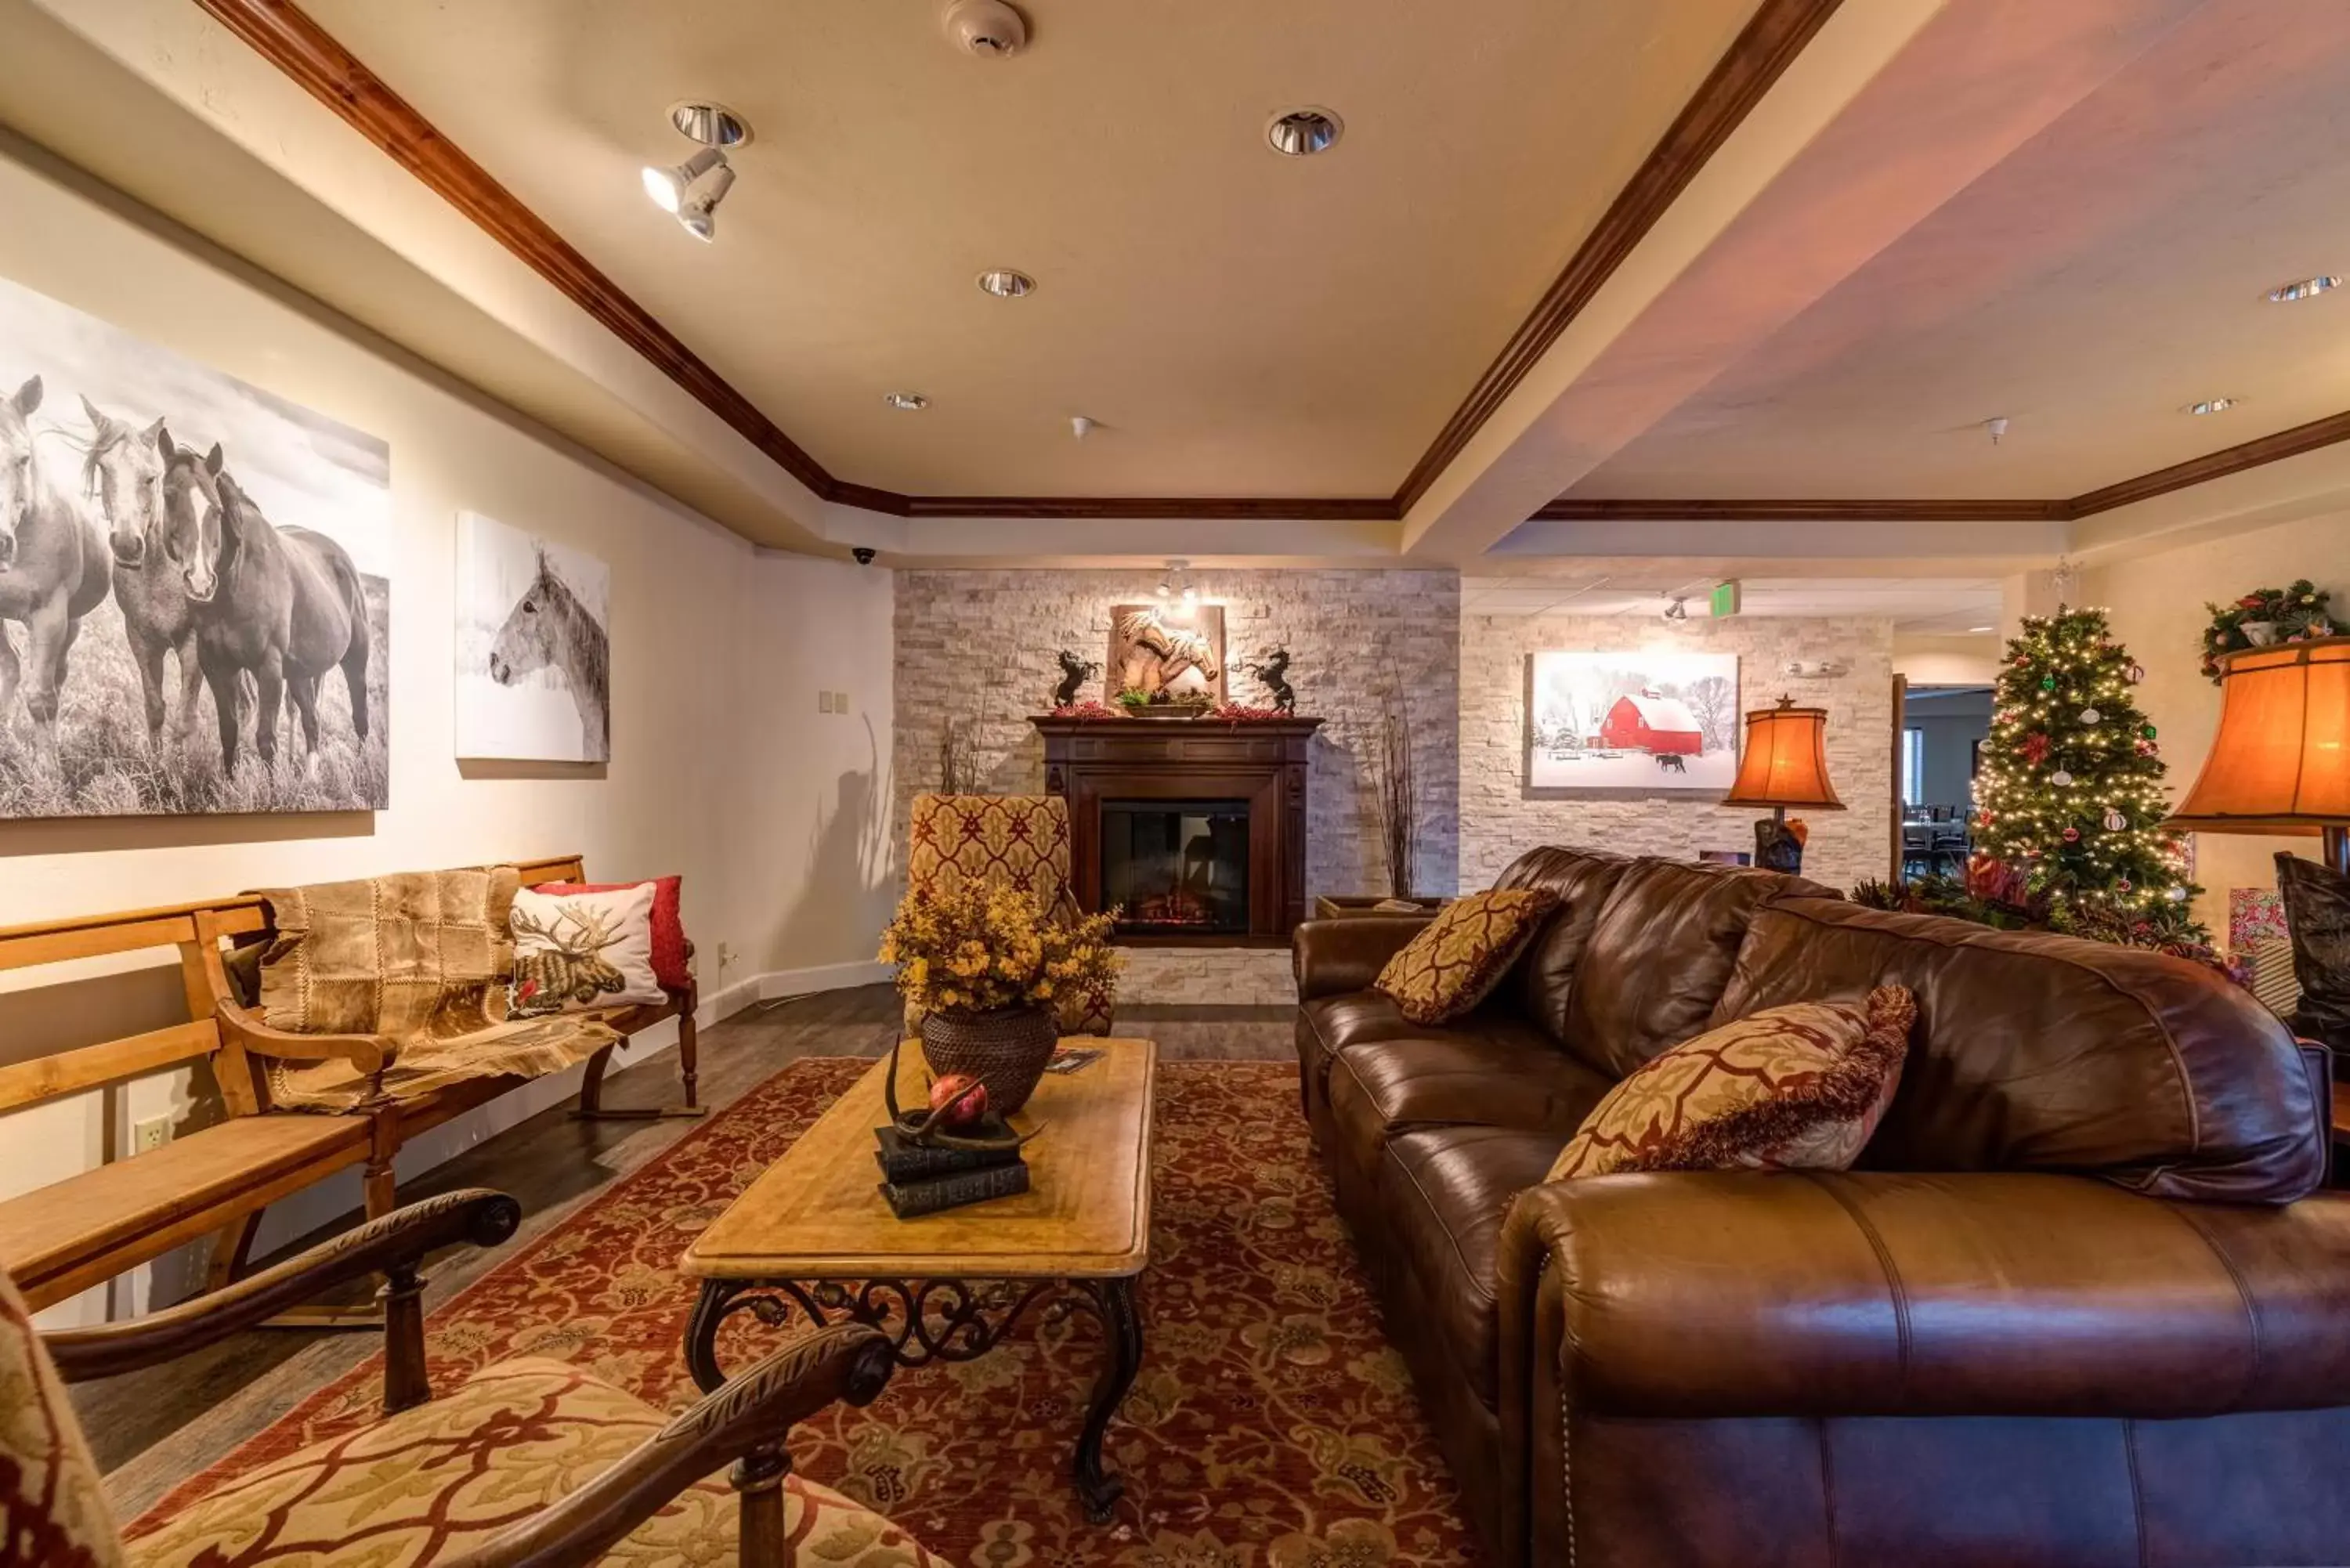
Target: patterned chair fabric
column 52, row 1508
column 1016, row 841
column 438, row 1480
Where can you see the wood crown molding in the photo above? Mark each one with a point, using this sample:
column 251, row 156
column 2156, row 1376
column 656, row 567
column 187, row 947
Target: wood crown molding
column 291, row 40
column 2260, row 451
column 1769, row 42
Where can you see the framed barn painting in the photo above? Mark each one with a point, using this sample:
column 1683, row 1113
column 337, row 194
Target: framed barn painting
column 1664, row 722
column 195, row 584
column 534, row 647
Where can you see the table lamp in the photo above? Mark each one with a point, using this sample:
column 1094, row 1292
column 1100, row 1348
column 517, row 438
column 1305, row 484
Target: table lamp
column 2281, row 764
column 1786, row 764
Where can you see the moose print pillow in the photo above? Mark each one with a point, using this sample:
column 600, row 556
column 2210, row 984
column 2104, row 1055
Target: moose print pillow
column 578, row 951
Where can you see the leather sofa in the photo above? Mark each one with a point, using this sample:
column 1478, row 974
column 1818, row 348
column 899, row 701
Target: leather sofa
column 2080, row 1304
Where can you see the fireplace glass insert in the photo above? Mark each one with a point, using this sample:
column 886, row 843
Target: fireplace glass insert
column 1176, row 867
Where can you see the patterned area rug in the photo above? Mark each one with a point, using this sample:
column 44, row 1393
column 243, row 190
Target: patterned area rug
column 1271, row 1427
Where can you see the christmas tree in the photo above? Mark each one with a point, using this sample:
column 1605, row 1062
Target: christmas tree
column 2069, row 800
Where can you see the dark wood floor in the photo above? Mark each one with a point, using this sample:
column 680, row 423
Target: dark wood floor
column 154, row 1429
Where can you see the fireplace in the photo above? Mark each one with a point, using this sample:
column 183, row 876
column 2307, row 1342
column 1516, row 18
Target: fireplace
column 1196, row 828
column 1176, row 867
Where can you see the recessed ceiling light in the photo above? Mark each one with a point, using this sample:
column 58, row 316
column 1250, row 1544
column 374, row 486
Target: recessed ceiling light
column 1983, row 629
column 907, row 402
column 710, row 124
column 2214, row 406
column 2303, row 288
column 1006, row 283
column 1302, row 132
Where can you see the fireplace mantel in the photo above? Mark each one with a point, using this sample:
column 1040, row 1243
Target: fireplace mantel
column 1263, row 762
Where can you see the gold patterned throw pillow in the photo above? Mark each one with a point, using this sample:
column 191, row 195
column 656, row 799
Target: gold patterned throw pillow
column 1799, row 1087
column 1456, row 961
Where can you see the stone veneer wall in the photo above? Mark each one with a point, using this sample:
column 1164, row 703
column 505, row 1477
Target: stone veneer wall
column 1500, row 819
column 981, row 645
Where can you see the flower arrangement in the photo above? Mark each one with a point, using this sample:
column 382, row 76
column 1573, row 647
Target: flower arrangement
column 1088, row 709
column 2263, row 617
column 975, row 949
column 1241, row 713
column 1135, row 700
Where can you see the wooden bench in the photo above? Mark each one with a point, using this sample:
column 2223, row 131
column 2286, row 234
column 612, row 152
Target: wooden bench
column 60, row 1239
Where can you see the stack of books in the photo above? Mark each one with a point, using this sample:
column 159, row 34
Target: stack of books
column 917, row 1179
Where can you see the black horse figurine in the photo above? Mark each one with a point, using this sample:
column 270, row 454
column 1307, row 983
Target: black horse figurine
column 1075, row 672
column 1275, row 666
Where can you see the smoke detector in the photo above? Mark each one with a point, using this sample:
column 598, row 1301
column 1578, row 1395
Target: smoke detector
column 989, row 30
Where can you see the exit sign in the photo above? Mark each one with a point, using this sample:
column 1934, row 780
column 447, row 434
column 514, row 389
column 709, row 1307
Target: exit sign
column 1725, row 598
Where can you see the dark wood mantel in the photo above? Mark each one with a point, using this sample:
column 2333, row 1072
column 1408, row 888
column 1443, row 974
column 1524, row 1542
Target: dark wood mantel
column 1263, row 762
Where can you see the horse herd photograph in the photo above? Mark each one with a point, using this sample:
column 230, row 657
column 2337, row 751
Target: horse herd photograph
column 194, row 585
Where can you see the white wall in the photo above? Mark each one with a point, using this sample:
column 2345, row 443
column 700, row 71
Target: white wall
column 2157, row 603
column 721, row 767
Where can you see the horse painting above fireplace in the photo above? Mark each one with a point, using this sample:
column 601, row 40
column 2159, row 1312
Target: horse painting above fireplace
column 1178, row 649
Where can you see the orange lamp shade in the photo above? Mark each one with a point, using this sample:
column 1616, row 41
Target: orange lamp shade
column 2281, row 763
column 1786, row 760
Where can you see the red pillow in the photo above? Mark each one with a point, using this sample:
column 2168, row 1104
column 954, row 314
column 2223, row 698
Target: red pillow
column 669, row 924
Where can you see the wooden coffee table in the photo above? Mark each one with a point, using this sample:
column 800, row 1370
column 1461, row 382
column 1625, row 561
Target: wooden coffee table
column 813, row 1235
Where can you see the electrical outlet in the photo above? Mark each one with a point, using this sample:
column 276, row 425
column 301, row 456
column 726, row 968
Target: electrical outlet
column 151, row 1134
column 725, row 956
column 824, row 702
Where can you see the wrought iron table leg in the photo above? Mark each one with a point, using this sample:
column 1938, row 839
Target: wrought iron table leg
column 702, row 1331
column 1122, row 1353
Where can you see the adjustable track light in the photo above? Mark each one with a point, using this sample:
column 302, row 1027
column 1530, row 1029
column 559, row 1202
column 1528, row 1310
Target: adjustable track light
column 700, row 213
column 668, row 186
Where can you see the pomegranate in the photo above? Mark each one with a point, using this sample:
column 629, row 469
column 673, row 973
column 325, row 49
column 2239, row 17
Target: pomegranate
column 960, row 1099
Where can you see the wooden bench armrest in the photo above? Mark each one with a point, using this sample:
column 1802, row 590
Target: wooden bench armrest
column 392, row 1246
column 368, row 1052
column 745, row 1424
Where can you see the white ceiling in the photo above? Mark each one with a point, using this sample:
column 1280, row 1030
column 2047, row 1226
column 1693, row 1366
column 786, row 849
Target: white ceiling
column 1934, row 606
column 1239, row 323
column 2111, row 271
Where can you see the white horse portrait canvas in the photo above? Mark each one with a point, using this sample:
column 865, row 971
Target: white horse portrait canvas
column 534, row 651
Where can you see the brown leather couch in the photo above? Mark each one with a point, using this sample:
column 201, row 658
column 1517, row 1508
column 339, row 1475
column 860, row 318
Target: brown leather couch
column 2082, row 1304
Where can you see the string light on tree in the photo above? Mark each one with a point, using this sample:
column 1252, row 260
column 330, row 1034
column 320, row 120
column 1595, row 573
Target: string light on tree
column 2069, row 769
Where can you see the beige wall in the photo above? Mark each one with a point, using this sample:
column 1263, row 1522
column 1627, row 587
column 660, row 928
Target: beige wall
column 1501, row 819
column 721, row 767
column 2157, row 602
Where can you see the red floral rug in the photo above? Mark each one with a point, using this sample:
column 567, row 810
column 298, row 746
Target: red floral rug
column 1271, row 1426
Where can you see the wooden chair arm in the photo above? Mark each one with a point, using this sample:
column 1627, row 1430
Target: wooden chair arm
column 369, row 1053
column 392, row 1246
column 745, row 1423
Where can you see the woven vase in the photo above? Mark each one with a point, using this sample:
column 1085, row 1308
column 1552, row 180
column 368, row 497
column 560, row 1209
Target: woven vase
column 1006, row 1049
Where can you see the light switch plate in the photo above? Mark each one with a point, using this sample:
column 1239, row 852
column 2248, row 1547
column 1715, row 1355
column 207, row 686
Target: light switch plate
column 824, row 702
column 840, row 701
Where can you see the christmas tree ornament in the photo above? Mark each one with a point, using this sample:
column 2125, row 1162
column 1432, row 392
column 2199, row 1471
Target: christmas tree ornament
column 2036, row 746
column 2148, row 731
column 2176, row 894
column 2060, row 778
column 2090, row 715
column 2072, row 836
column 2116, row 822
column 2048, row 683
column 2122, row 886
column 2135, row 674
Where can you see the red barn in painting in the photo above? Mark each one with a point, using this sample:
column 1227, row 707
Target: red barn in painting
column 1652, row 723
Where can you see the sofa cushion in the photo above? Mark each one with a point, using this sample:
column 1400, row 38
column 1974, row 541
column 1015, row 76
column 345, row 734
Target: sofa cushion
column 2035, row 1052
column 1491, row 1072
column 1581, row 880
column 1798, row 1088
column 1659, row 955
column 1445, row 1190
column 1461, row 955
column 436, row 1481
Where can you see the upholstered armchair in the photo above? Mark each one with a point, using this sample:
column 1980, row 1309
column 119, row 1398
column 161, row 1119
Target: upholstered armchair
column 531, row 1462
column 1016, row 841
